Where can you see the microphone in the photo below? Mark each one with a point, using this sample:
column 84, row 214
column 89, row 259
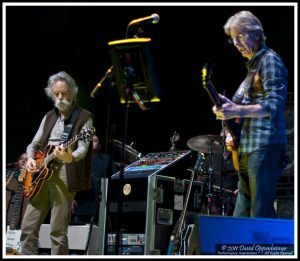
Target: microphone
column 99, row 84
column 154, row 18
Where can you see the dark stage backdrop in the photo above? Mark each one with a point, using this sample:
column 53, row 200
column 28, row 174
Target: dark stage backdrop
column 42, row 40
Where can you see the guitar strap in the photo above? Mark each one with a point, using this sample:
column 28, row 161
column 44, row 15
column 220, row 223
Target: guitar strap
column 69, row 123
column 10, row 178
column 247, row 83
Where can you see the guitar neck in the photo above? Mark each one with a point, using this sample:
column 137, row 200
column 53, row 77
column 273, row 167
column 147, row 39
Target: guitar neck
column 51, row 156
column 213, row 94
column 229, row 124
column 179, row 224
column 17, row 207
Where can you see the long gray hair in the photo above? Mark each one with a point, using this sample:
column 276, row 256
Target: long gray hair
column 245, row 19
column 61, row 76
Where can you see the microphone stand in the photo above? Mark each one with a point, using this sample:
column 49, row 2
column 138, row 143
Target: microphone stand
column 99, row 84
column 128, row 93
column 109, row 136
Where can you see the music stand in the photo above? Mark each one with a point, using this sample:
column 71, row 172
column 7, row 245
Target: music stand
column 133, row 69
column 133, row 66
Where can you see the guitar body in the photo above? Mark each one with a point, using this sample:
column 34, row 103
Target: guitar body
column 234, row 130
column 33, row 182
column 235, row 157
column 13, row 252
column 13, row 245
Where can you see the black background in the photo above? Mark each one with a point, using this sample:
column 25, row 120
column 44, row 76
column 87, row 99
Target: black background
column 42, row 40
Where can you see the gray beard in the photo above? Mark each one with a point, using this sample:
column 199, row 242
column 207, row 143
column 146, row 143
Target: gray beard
column 63, row 105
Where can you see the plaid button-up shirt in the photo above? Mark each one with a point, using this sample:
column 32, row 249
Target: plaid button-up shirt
column 268, row 87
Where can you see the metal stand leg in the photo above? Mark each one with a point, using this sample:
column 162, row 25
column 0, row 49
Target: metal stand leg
column 209, row 195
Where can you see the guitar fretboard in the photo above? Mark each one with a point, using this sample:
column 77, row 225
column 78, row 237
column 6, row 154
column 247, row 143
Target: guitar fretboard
column 18, row 199
column 51, row 156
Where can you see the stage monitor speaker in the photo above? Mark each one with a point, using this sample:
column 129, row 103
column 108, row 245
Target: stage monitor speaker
column 219, row 235
column 77, row 235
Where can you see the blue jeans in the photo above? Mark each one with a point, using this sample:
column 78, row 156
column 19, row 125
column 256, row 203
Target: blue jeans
column 258, row 177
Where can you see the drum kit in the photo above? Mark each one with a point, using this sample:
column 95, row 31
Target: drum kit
column 212, row 198
column 213, row 167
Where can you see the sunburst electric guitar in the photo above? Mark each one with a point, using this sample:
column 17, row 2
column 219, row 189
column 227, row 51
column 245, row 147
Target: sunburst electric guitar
column 233, row 125
column 34, row 181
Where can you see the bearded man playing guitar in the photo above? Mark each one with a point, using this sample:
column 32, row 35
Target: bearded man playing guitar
column 51, row 185
column 260, row 102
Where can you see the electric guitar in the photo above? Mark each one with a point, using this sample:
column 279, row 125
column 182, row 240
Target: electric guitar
column 181, row 231
column 13, row 233
column 233, row 126
column 33, row 181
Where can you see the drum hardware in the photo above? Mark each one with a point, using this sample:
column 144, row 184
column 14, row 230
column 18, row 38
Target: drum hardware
column 130, row 153
column 209, row 183
column 210, row 146
column 174, row 139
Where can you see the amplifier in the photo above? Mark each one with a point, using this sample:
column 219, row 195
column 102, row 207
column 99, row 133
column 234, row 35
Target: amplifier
column 77, row 235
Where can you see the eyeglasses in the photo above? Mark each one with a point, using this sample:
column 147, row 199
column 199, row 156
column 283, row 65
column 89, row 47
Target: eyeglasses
column 239, row 37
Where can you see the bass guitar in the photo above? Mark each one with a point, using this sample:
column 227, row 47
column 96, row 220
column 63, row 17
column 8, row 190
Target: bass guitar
column 233, row 126
column 34, row 181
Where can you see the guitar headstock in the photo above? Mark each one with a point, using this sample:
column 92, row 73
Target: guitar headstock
column 206, row 74
column 207, row 71
column 87, row 134
column 23, row 172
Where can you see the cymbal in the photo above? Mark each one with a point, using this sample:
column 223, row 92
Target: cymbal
column 130, row 153
column 206, row 143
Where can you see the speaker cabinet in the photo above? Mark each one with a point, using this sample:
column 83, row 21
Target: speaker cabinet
column 78, row 238
column 213, row 234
